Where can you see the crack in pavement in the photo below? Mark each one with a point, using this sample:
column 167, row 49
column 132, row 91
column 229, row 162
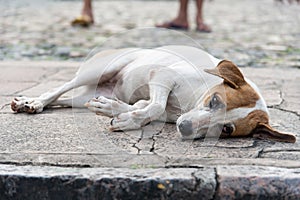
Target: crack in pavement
column 281, row 150
column 44, row 76
column 285, row 110
column 39, row 81
column 203, row 183
column 136, row 147
column 217, row 183
column 32, row 163
column 154, row 138
column 138, row 141
column 24, row 89
column 278, row 106
column 3, row 106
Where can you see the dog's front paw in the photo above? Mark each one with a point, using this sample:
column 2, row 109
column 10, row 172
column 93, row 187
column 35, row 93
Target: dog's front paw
column 126, row 121
column 107, row 107
column 25, row 104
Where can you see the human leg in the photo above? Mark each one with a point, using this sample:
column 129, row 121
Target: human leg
column 181, row 20
column 201, row 26
column 86, row 18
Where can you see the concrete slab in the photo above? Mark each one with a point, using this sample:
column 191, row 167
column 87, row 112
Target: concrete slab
column 77, row 137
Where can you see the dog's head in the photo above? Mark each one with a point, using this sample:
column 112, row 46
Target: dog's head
column 231, row 109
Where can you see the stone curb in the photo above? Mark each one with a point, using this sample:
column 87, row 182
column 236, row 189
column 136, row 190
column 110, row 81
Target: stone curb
column 248, row 182
column 36, row 182
column 257, row 182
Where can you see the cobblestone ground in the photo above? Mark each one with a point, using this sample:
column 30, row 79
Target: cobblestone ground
column 251, row 33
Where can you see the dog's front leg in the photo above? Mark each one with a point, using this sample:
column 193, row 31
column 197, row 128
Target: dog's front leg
column 111, row 107
column 139, row 117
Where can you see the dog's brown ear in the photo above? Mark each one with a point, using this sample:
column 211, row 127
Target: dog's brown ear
column 229, row 72
column 265, row 131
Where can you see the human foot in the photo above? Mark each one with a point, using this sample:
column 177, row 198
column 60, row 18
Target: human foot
column 202, row 27
column 176, row 24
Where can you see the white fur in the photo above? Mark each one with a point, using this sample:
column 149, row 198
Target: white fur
column 239, row 113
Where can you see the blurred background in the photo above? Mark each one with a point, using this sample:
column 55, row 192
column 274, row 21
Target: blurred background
column 250, row 32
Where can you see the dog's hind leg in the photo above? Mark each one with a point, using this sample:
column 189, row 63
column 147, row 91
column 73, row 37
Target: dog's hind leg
column 98, row 69
column 81, row 96
column 36, row 105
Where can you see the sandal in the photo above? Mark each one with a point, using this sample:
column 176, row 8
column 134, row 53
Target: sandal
column 83, row 21
column 171, row 25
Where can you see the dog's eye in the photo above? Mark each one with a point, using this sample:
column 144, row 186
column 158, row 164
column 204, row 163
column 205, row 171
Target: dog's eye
column 215, row 103
column 227, row 129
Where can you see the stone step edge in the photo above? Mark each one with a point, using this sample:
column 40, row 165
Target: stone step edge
column 47, row 182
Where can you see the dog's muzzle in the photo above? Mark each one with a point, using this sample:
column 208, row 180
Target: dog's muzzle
column 186, row 127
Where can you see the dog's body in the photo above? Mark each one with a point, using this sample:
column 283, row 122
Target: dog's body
column 136, row 86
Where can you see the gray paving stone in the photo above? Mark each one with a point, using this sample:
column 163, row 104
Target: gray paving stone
column 239, row 182
column 64, row 74
column 281, row 154
column 43, row 87
column 51, row 133
column 196, row 161
column 22, row 73
column 291, row 94
column 49, row 65
column 5, row 104
column 14, row 88
column 105, row 183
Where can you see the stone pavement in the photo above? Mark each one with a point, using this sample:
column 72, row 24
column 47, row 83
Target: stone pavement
column 68, row 153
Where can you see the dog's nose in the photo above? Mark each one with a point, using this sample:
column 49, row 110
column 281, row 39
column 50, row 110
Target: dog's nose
column 185, row 127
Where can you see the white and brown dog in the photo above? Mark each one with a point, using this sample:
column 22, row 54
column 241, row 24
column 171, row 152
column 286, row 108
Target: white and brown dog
column 205, row 96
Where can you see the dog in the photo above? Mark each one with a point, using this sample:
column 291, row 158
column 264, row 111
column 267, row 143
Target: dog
column 203, row 95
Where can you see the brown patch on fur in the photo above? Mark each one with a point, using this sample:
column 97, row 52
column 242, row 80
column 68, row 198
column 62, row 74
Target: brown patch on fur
column 244, row 96
column 13, row 106
column 229, row 72
column 235, row 91
column 265, row 131
column 257, row 125
column 246, row 125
